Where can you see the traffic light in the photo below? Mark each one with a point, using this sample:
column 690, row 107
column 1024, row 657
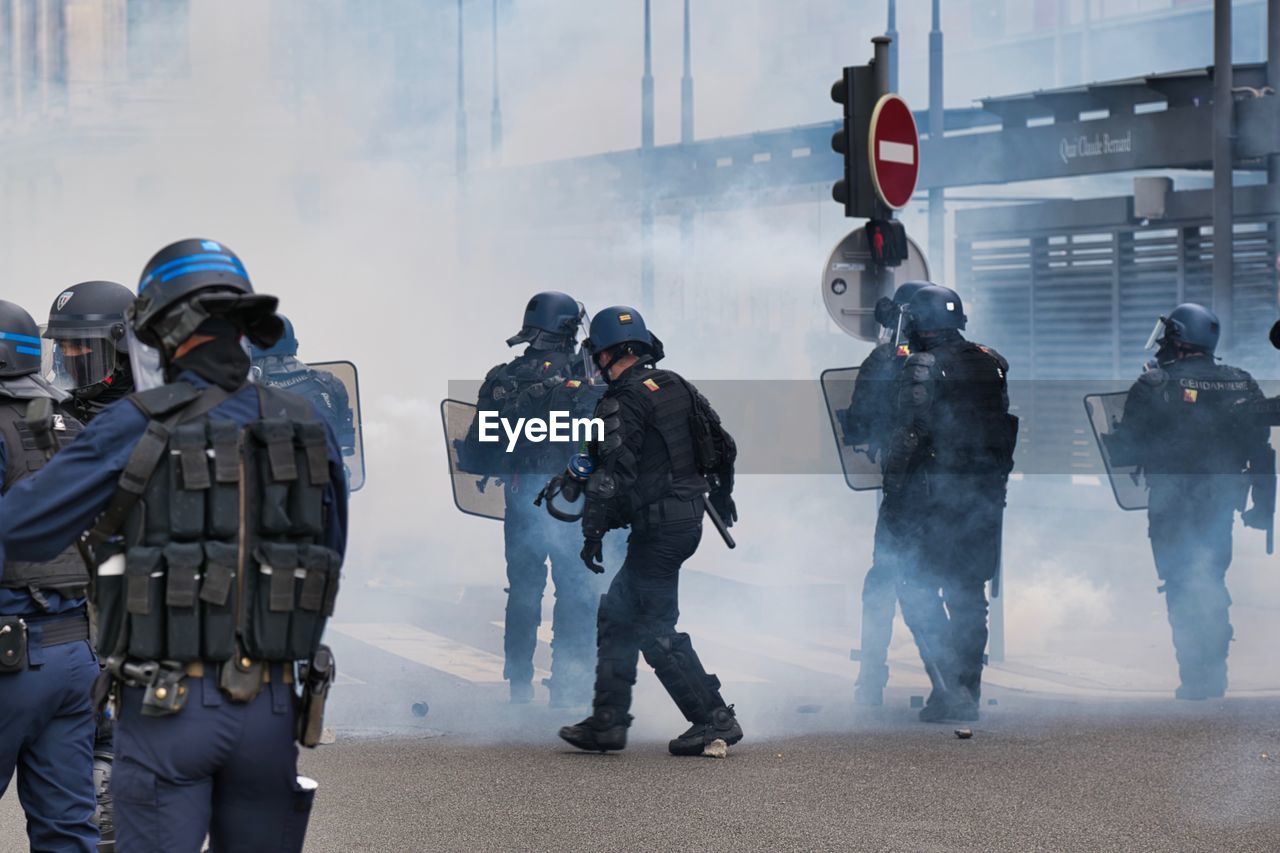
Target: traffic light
column 842, row 92
column 856, row 92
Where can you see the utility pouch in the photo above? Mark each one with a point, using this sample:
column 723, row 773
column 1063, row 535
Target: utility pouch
column 223, row 504
column 315, row 598
column 274, row 581
column 306, row 493
column 275, row 458
column 165, row 694
column 189, row 481
column 240, row 678
column 144, row 602
column 316, row 676
column 182, row 580
column 13, row 645
column 216, row 606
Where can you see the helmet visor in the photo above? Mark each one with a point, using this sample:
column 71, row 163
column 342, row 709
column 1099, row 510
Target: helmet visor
column 148, row 372
column 1156, row 334
column 79, row 362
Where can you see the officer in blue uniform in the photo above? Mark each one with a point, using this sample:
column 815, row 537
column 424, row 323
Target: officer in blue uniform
column 47, row 666
column 549, row 375
column 278, row 365
column 868, row 421
column 1183, row 424
column 220, row 523
column 91, row 363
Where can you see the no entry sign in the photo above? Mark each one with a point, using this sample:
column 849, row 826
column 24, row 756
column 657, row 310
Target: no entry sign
column 895, row 151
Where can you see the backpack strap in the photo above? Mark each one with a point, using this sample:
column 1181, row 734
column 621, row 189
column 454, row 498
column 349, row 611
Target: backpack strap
column 165, row 410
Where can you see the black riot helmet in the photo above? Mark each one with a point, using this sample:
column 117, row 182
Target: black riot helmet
column 551, row 321
column 889, row 309
column 1189, row 327
column 189, row 281
column 620, row 331
column 19, row 341
column 934, row 308
column 90, row 348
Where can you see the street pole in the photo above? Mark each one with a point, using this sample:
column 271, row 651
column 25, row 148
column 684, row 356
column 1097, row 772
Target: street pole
column 891, row 32
column 1223, row 201
column 646, row 146
column 1273, row 161
column 937, row 195
column 686, row 137
column 495, row 120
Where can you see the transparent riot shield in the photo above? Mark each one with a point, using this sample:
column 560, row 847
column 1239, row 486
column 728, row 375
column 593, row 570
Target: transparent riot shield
column 346, row 423
column 1127, row 482
column 861, row 472
column 474, row 491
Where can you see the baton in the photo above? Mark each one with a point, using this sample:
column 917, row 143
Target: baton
column 719, row 523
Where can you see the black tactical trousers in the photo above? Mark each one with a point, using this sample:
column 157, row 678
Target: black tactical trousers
column 953, row 551
column 531, row 537
column 880, row 595
column 1191, row 543
column 638, row 614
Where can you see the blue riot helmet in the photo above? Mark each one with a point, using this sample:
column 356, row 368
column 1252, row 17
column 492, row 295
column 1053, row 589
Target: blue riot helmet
column 889, row 309
column 619, row 331
column 1189, row 326
column 90, row 348
column 551, row 321
column 19, row 342
column 934, row 308
column 187, row 282
column 182, row 286
column 287, row 345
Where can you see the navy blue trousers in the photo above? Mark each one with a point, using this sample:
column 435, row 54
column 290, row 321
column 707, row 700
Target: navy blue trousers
column 219, row 768
column 46, row 735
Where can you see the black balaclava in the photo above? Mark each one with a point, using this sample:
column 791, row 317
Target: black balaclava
column 222, row 361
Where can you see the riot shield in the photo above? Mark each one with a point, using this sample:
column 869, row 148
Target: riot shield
column 861, row 472
column 348, row 429
column 1127, row 482
column 474, row 492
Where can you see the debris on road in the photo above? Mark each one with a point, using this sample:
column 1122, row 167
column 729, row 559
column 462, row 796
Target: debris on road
column 716, row 749
column 327, row 736
column 964, row 734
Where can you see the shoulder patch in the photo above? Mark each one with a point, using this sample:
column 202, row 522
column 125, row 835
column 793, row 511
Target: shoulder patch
column 651, row 385
column 573, row 383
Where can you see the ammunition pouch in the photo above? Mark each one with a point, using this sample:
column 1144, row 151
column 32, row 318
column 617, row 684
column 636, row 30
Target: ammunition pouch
column 13, row 644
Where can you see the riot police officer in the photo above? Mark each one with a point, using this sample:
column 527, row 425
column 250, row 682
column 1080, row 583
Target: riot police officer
column 90, row 350
column 530, row 386
column 867, row 422
column 946, row 469
column 663, row 448
column 220, row 524
column 278, row 365
column 47, row 666
column 1182, row 425
column 91, row 363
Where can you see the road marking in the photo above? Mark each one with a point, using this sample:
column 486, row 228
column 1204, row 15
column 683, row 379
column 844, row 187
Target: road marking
column 423, row 647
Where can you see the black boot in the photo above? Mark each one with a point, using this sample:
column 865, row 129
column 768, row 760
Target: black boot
column 604, row 730
column 956, row 704
column 722, row 724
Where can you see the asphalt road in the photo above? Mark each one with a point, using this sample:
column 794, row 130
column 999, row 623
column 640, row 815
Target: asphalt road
column 1038, row 774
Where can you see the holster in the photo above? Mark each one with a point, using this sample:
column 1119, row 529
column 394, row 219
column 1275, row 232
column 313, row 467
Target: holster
column 316, row 677
column 13, row 644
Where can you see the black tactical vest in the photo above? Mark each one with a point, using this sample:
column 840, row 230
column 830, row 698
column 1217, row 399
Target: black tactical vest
column 667, row 466
column 224, row 548
column 65, row 573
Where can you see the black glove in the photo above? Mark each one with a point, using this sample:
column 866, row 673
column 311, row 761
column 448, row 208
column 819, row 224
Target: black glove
column 722, row 500
column 593, row 555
